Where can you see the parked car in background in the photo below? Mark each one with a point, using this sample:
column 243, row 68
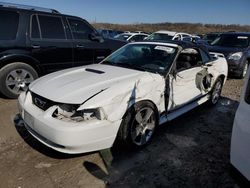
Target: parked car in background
column 236, row 48
column 131, row 37
column 109, row 33
column 210, row 37
column 144, row 84
column 240, row 142
column 141, row 32
column 169, row 35
column 35, row 41
column 196, row 39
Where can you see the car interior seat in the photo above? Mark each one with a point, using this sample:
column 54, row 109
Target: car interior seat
column 183, row 62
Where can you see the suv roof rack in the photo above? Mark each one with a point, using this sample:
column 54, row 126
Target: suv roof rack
column 27, row 7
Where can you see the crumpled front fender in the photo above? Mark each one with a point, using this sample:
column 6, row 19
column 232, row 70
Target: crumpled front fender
column 115, row 101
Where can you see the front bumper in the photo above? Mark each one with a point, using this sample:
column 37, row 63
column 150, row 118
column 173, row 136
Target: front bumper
column 66, row 137
column 235, row 67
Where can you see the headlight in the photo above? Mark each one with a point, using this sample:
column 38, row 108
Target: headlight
column 235, row 56
column 70, row 113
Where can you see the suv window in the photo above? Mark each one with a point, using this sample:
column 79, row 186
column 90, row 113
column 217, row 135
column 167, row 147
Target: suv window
column 232, row 40
column 8, row 25
column 80, row 30
column 35, row 33
column 51, row 27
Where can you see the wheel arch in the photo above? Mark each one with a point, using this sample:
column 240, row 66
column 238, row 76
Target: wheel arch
column 23, row 59
column 122, row 134
column 222, row 77
column 143, row 101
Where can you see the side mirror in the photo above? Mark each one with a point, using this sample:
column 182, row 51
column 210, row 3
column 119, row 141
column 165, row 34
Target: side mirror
column 96, row 37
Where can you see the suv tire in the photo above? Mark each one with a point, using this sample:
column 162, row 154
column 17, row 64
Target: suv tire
column 15, row 78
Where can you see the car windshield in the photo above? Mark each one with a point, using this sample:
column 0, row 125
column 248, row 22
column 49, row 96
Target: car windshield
column 144, row 57
column 122, row 36
column 159, row 36
column 239, row 41
column 211, row 37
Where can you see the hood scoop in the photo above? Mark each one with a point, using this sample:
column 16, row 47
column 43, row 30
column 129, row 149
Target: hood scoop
column 94, row 71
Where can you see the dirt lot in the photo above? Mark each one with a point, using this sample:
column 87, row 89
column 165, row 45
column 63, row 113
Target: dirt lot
column 191, row 151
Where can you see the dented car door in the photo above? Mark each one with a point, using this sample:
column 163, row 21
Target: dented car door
column 184, row 83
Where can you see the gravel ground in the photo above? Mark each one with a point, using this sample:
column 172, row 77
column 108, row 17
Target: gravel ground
column 191, row 151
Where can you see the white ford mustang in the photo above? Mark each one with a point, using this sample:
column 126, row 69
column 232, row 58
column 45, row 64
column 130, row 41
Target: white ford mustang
column 123, row 98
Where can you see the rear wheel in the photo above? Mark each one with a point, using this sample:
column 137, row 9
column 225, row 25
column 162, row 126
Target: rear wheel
column 216, row 92
column 15, row 78
column 138, row 126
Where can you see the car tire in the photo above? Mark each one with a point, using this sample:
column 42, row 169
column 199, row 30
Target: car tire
column 216, row 92
column 138, row 125
column 244, row 70
column 15, row 78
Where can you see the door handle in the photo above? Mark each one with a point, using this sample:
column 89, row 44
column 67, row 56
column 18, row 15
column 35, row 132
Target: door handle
column 35, row 46
column 79, row 46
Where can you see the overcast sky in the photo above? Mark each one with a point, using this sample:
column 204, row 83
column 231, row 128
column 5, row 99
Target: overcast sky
column 151, row 11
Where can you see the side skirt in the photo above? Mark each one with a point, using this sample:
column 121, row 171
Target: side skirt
column 172, row 115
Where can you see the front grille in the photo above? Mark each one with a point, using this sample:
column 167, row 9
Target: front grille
column 41, row 102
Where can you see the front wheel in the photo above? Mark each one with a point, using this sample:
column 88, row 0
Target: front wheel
column 216, row 92
column 138, row 126
column 15, row 78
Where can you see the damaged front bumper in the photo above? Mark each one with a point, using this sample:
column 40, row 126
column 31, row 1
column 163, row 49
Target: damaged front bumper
column 235, row 67
column 66, row 137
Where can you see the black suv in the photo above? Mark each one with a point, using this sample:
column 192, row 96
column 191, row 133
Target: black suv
column 236, row 48
column 35, row 41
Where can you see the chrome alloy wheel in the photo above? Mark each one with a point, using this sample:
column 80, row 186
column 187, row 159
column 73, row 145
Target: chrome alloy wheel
column 18, row 80
column 216, row 92
column 143, row 126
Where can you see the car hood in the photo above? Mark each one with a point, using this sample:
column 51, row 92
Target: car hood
column 224, row 50
column 76, row 85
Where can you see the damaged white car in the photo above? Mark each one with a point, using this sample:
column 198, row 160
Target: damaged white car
column 123, row 98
